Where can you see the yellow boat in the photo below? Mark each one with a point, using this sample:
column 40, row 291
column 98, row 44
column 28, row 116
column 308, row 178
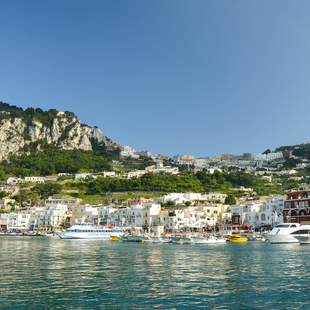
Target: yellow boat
column 238, row 239
column 115, row 238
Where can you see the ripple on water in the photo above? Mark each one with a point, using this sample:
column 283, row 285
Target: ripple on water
column 50, row 273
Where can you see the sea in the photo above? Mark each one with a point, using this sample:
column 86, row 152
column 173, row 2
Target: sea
column 49, row 273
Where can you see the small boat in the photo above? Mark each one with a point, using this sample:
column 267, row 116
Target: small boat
column 132, row 238
column 181, row 240
column 115, row 238
column 208, row 240
column 238, row 239
column 157, row 239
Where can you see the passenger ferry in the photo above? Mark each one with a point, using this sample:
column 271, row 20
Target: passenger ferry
column 87, row 231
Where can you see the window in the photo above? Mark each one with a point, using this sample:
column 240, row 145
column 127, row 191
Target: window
column 301, row 232
column 283, row 226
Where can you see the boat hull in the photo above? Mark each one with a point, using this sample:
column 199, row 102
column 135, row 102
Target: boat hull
column 86, row 236
column 274, row 239
column 303, row 239
column 238, row 239
column 209, row 241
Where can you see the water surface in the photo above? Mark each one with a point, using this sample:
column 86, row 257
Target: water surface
column 48, row 273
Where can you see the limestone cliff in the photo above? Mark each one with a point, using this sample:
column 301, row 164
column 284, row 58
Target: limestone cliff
column 19, row 128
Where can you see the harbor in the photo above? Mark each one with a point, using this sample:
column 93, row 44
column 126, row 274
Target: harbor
column 89, row 274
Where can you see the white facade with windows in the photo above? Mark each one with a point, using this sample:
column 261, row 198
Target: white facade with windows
column 269, row 212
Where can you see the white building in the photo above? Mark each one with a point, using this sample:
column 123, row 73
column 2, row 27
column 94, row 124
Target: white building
column 84, row 214
column 110, row 174
column 267, row 212
column 15, row 220
column 181, row 198
column 136, row 174
column 128, row 151
column 53, row 216
column 34, row 179
column 84, row 176
column 13, row 181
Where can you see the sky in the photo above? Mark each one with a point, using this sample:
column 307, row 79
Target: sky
column 200, row 77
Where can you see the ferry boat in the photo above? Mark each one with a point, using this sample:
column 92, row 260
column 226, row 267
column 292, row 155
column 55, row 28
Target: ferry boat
column 284, row 233
column 87, row 231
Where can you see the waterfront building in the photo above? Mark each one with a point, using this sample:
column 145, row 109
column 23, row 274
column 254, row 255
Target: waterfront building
column 53, row 216
column 259, row 213
column 84, row 214
column 297, row 206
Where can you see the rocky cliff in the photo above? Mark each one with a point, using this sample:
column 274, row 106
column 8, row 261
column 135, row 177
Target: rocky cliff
column 21, row 128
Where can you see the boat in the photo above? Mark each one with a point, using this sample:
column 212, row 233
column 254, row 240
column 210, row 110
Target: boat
column 156, row 239
column 88, row 231
column 133, row 238
column 302, row 235
column 208, row 240
column 181, row 240
column 238, row 239
column 285, row 233
column 115, row 238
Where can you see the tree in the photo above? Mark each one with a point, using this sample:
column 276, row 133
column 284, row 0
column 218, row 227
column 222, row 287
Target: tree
column 47, row 189
column 230, row 199
column 168, row 204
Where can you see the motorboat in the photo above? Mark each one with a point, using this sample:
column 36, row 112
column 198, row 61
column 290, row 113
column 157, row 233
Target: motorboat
column 285, row 233
column 133, row 238
column 208, row 240
column 88, row 231
column 302, row 234
column 181, row 240
column 238, row 239
column 157, row 239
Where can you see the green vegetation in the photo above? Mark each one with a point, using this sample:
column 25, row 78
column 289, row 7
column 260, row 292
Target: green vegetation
column 31, row 114
column 148, row 182
column 46, row 190
column 299, row 150
column 136, row 164
column 55, row 160
column 230, row 199
column 186, row 182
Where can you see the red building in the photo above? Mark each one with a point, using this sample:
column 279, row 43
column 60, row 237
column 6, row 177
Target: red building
column 297, row 207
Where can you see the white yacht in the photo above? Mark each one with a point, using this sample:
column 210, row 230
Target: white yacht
column 284, row 233
column 302, row 234
column 87, row 231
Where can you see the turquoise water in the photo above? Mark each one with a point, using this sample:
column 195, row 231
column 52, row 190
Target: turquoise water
column 47, row 273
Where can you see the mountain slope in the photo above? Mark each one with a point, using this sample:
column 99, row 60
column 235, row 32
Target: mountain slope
column 23, row 129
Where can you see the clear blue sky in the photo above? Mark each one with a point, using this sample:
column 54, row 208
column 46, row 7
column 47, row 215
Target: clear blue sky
column 172, row 76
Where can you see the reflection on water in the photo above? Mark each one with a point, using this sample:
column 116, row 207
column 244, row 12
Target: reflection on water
column 43, row 273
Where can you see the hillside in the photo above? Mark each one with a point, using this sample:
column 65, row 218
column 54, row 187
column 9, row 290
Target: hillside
column 298, row 150
column 24, row 130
